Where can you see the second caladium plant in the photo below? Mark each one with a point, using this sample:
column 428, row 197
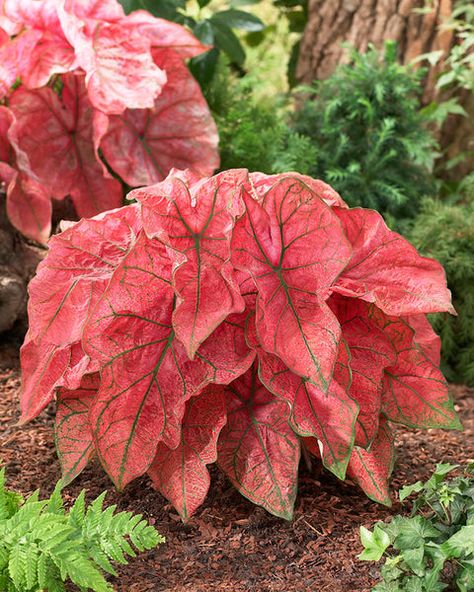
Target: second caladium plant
column 83, row 85
column 234, row 319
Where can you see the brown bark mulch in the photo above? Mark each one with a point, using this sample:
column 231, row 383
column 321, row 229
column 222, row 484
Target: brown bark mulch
column 232, row 545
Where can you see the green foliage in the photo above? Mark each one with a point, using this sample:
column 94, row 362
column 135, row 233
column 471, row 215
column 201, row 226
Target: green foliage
column 371, row 143
column 212, row 27
column 42, row 545
column 434, row 548
column 445, row 231
column 254, row 133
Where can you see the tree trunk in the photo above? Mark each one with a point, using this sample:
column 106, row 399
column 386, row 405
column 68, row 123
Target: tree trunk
column 18, row 261
column 361, row 22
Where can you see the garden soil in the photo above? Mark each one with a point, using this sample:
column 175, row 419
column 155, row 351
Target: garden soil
column 231, row 544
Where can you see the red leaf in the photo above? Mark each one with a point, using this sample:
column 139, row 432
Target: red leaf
column 73, row 434
column 227, row 350
column 257, row 449
column 294, row 248
column 371, row 352
column 69, row 281
column 117, row 60
column 146, row 375
column 13, row 54
column 164, row 34
column 181, row 474
column 57, row 136
column 330, row 417
column 29, row 208
column 425, row 337
column 261, row 183
column 196, row 226
column 387, row 270
column 142, row 145
column 371, row 469
column 415, row 392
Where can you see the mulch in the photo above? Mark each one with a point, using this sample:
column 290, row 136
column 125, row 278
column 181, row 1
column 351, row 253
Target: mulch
column 231, row 544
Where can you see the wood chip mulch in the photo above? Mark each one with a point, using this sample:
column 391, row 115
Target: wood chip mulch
column 231, row 544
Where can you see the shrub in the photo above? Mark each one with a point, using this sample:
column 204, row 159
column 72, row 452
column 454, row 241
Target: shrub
column 446, row 231
column 89, row 90
column 223, row 319
column 371, row 144
column 434, row 548
column 42, row 545
column 254, row 133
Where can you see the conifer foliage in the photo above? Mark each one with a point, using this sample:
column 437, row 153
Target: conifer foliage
column 234, row 319
column 88, row 90
column 42, row 545
column 369, row 134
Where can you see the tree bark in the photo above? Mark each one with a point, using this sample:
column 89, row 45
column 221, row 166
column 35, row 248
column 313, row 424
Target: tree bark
column 361, row 22
column 364, row 22
column 18, row 261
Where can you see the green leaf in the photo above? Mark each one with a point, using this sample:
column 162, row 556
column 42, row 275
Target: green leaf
column 239, row 19
column 414, row 559
column 462, row 542
column 227, row 41
column 412, row 532
column 204, row 32
column 203, row 67
column 407, row 490
column 375, row 543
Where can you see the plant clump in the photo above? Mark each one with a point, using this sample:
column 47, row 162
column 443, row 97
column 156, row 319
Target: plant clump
column 234, row 319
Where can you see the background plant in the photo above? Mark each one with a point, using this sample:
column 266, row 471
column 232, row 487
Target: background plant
column 318, row 338
column 445, row 231
column 369, row 135
column 92, row 100
column 254, row 131
column 42, row 545
column 432, row 550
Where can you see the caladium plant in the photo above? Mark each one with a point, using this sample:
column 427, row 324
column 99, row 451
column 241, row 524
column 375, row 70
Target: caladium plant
column 235, row 319
column 83, row 86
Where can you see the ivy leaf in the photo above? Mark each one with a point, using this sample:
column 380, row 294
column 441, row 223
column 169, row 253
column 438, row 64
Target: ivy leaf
column 460, row 543
column 375, row 543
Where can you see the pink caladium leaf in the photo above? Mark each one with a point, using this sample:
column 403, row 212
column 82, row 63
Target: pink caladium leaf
column 294, row 247
column 329, row 416
column 181, row 474
column 142, row 145
column 261, row 183
column 371, row 469
column 120, row 72
column 164, row 34
column 13, row 54
column 257, row 449
column 371, row 351
column 387, row 270
column 415, row 392
column 146, row 376
column 29, row 208
column 425, row 338
column 57, row 136
column 196, row 226
column 73, row 434
column 69, row 281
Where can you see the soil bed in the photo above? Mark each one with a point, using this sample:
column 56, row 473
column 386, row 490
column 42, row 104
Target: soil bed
column 231, row 544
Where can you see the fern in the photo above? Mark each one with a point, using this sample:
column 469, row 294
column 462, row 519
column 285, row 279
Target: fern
column 446, row 232
column 42, row 545
column 370, row 139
